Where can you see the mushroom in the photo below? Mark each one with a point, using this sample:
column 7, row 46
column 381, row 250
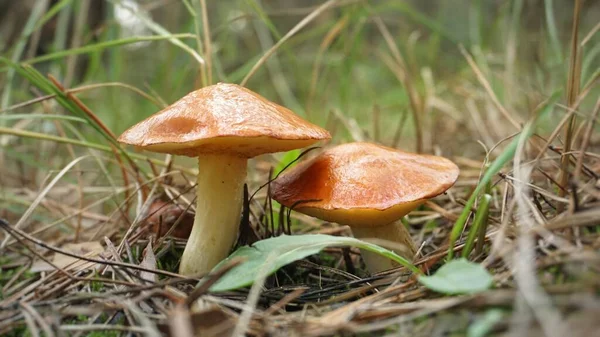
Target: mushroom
column 367, row 187
column 223, row 125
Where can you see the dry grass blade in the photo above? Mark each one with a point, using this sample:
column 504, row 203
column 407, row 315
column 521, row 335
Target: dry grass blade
column 42, row 195
column 308, row 19
column 105, row 130
column 589, row 36
column 39, row 319
column 400, row 70
column 102, row 327
column 488, row 88
column 179, row 322
column 285, row 300
column 583, row 218
column 329, row 38
column 207, row 43
column 16, row 232
column 586, row 139
column 160, row 30
column 84, row 108
column 537, row 300
column 572, row 93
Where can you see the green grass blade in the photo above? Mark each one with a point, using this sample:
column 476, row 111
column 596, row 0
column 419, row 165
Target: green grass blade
column 91, row 48
column 418, row 17
column 589, row 62
column 35, row 15
column 103, row 148
column 553, row 31
column 45, row 85
column 52, row 12
column 160, row 30
column 494, row 168
column 479, row 224
column 43, row 116
column 43, row 136
column 475, row 22
column 264, row 18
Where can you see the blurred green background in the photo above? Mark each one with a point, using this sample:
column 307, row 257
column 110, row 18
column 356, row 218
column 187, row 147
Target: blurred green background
column 338, row 71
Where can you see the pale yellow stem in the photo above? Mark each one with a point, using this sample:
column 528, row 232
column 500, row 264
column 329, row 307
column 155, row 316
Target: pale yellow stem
column 218, row 211
column 393, row 236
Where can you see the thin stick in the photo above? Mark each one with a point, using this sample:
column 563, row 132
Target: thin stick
column 103, row 327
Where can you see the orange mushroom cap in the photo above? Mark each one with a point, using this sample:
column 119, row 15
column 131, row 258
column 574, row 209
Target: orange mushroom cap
column 363, row 184
column 223, row 118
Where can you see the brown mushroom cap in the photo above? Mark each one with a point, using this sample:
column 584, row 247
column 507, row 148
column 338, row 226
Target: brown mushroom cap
column 363, row 184
column 223, row 118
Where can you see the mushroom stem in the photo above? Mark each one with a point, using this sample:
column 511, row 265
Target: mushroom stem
column 218, row 210
column 393, row 236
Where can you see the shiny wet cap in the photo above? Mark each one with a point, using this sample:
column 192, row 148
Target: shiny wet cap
column 363, row 184
column 223, row 118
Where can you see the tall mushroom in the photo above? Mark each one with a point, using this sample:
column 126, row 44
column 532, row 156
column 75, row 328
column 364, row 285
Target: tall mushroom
column 367, row 187
column 223, row 125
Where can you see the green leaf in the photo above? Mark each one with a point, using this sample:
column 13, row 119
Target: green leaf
column 458, row 277
column 285, row 249
column 482, row 326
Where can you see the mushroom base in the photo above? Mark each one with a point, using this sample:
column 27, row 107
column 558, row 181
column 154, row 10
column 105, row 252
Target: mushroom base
column 218, row 211
column 393, row 236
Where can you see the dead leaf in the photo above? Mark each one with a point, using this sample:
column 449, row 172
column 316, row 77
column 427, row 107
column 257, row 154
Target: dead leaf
column 149, row 262
column 86, row 249
column 163, row 215
column 210, row 322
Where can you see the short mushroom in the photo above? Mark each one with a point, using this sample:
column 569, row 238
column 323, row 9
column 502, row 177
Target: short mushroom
column 367, row 187
column 223, row 125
